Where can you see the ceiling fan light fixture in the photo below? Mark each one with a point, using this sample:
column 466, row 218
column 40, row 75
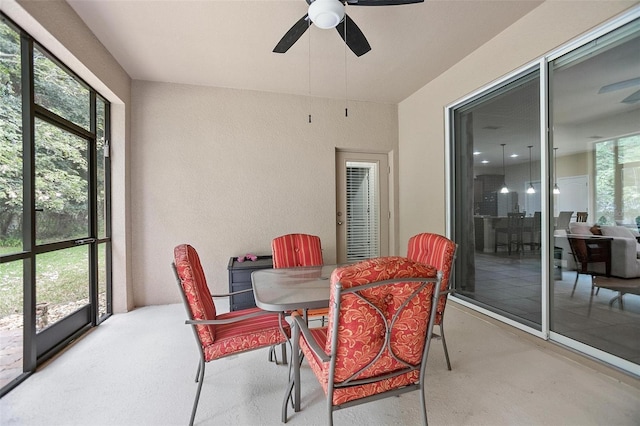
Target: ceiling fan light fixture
column 326, row 14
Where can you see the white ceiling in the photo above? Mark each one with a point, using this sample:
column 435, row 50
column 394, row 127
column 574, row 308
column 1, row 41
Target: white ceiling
column 229, row 43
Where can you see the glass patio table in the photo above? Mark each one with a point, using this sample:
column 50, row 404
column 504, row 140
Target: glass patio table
column 292, row 289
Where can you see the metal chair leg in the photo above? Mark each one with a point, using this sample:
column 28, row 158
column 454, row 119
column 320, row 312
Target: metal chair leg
column 423, row 403
column 198, row 371
column 590, row 297
column 272, row 355
column 287, row 397
column 199, row 380
column 444, row 345
column 575, row 283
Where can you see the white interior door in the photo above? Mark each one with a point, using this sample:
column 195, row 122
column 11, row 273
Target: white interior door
column 574, row 195
column 362, row 216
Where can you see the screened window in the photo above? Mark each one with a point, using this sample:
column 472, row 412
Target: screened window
column 55, row 246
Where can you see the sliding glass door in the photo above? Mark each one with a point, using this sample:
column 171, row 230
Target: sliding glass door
column 545, row 190
column 595, row 116
column 497, row 197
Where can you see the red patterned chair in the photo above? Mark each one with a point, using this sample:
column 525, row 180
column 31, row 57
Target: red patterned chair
column 220, row 335
column 296, row 250
column 381, row 316
column 438, row 251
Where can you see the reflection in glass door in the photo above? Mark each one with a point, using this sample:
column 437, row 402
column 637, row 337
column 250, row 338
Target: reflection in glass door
column 497, row 200
column 595, row 104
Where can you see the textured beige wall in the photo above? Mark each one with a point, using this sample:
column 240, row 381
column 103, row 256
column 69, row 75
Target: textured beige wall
column 421, row 116
column 228, row 170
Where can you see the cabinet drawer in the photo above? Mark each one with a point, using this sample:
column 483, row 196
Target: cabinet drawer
column 241, row 276
column 240, row 279
column 242, row 301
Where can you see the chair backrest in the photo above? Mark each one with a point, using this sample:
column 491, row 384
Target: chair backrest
column 515, row 221
column 536, row 223
column 293, row 250
column 383, row 328
column 581, row 216
column 438, row 251
column 580, row 254
column 195, row 291
column 563, row 220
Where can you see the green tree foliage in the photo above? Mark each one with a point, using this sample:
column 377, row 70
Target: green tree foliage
column 61, row 165
column 618, row 159
column 58, row 91
column 10, row 135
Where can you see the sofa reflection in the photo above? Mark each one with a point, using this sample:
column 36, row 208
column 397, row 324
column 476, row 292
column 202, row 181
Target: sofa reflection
column 625, row 248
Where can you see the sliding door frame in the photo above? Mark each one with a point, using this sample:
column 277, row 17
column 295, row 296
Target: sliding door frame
column 449, row 110
column 547, row 179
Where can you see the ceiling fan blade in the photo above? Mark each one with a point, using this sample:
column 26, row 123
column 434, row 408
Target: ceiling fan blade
column 620, row 85
column 381, row 2
column 355, row 39
column 293, row 35
column 632, row 98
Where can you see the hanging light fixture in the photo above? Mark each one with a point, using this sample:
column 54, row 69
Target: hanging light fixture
column 531, row 189
column 556, row 190
column 326, row 14
column 504, row 189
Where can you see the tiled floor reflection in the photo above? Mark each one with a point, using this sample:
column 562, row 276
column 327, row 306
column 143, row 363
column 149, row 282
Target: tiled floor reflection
column 511, row 286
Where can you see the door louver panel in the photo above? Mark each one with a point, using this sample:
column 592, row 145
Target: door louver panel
column 363, row 233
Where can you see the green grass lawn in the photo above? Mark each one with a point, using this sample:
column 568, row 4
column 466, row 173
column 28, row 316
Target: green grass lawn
column 62, row 276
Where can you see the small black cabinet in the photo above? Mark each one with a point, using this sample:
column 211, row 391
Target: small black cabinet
column 240, row 279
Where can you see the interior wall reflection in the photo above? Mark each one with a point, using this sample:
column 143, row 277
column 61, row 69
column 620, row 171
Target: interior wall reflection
column 595, row 104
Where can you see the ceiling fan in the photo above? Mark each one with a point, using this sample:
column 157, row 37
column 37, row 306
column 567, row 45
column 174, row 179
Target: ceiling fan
column 631, row 99
column 330, row 14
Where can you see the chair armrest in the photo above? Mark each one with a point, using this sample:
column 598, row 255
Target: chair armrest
column 313, row 345
column 247, row 290
column 230, row 320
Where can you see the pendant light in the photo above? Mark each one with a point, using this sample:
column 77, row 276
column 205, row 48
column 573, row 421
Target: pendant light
column 531, row 189
column 556, row 190
column 504, row 189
